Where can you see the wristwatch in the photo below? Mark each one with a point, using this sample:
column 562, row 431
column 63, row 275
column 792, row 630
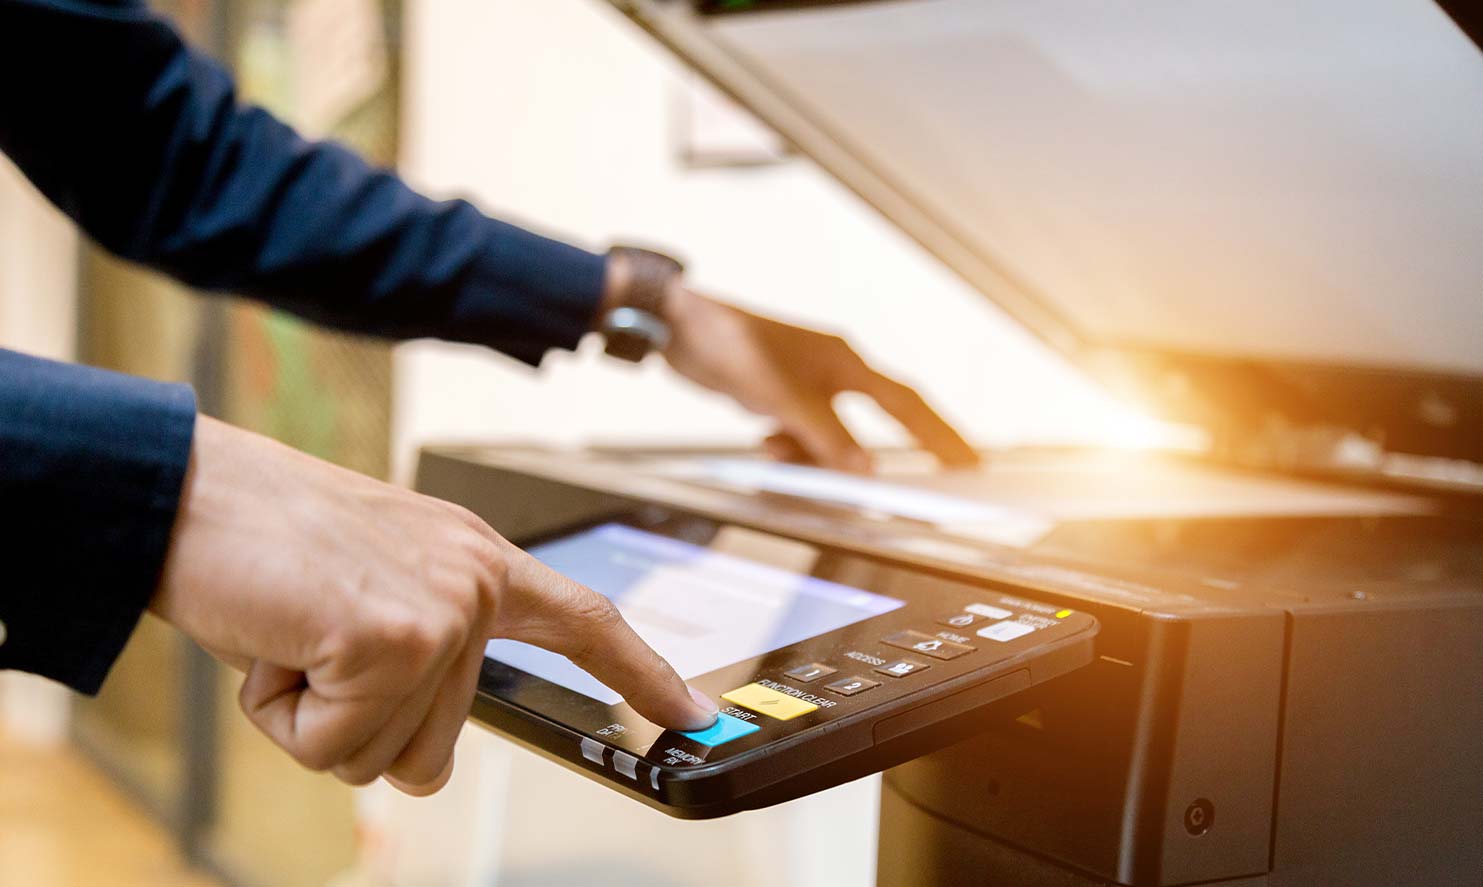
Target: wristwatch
column 636, row 325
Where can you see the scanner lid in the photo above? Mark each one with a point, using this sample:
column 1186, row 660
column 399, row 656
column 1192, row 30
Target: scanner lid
column 1266, row 218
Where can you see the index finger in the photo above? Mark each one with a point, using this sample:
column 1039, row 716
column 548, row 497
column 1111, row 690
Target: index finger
column 920, row 420
column 544, row 608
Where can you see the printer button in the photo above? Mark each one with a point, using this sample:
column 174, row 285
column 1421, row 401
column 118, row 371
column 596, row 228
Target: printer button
column 593, row 751
column 988, row 612
column 851, row 686
column 724, row 730
column 959, row 620
column 626, row 764
column 767, row 701
column 927, row 645
column 810, row 672
column 1004, row 632
column 903, row 667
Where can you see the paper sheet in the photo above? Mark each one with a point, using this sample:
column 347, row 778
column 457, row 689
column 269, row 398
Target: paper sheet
column 1018, row 500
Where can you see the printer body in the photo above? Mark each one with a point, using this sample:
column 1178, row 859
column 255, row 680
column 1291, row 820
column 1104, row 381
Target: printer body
column 1276, row 698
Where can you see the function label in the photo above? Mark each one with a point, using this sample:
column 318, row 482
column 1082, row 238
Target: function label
column 988, row 612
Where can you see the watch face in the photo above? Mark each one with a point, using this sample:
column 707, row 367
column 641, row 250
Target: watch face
column 632, row 333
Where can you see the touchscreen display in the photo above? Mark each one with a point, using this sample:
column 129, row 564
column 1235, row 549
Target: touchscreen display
column 701, row 609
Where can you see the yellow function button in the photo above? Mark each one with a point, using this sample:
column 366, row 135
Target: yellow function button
column 767, row 701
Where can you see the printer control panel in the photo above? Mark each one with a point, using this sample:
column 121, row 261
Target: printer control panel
column 805, row 648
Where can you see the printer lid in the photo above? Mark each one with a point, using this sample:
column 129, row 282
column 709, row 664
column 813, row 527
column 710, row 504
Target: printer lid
column 1265, row 218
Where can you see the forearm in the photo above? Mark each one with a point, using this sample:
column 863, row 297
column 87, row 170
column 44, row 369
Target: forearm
column 142, row 142
column 91, row 465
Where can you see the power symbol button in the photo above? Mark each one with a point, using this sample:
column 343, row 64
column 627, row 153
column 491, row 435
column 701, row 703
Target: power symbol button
column 1199, row 816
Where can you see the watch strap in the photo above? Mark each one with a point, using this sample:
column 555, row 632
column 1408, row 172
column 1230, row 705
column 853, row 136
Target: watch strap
column 650, row 274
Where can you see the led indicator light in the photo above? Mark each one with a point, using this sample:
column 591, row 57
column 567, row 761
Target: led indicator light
column 1063, row 614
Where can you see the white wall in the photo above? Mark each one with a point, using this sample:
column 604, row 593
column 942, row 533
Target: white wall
column 559, row 113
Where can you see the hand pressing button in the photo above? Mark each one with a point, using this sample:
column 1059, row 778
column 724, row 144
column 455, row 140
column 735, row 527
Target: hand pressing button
column 724, row 730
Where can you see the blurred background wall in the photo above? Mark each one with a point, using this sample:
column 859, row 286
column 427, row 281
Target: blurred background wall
column 38, row 271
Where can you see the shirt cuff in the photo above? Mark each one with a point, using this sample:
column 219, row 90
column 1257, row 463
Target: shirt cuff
column 526, row 294
column 91, row 482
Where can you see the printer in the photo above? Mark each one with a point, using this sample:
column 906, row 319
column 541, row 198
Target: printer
column 1263, row 220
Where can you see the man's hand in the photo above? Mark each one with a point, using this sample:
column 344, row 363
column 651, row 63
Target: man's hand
column 792, row 375
column 360, row 610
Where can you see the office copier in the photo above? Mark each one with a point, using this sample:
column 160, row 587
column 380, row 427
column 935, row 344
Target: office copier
column 1261, row 219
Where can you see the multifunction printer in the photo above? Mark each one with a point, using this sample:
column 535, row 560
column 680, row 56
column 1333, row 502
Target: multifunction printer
column 1262, row 220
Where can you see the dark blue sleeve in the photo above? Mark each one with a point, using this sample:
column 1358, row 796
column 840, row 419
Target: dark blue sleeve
column 91, row 467
column 142, row 142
